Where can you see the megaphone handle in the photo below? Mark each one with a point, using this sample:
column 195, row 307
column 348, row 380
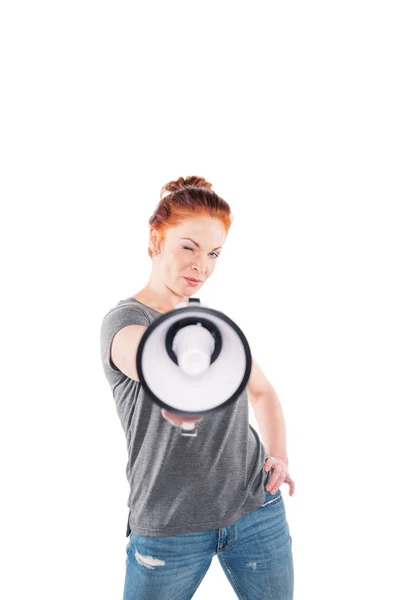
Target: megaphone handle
column 188, row 429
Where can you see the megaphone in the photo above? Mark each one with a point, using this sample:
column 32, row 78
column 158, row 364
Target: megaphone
column 193, row 360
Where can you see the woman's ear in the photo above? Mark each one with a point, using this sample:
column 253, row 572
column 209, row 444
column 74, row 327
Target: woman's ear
column 153, row 242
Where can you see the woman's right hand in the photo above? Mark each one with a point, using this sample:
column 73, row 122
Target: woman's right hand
column 177, row 420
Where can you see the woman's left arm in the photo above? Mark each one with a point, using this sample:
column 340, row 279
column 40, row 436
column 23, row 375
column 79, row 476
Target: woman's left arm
column 269, row 416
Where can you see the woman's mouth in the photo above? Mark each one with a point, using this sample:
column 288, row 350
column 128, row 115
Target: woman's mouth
column 192, row 281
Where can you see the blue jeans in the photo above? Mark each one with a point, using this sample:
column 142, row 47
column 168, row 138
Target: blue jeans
column 255, row 554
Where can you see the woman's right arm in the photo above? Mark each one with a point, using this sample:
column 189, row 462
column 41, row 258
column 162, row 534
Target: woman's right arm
column 124, row 348
column 123, row 354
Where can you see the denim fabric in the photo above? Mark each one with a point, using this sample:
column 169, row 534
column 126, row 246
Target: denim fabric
column 255, row 554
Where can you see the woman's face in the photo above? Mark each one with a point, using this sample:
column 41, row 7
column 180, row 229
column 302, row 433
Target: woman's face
column 190, row 250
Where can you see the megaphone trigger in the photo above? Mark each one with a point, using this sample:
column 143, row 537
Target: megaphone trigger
column 189, row 429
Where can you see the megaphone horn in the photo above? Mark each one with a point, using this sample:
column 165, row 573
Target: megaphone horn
column 193, row 360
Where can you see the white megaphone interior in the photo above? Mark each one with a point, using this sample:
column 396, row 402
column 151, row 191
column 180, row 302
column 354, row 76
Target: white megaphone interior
column 180, row 390
column 193, row 346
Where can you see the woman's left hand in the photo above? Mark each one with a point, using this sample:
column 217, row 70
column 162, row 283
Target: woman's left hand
column 279, row 475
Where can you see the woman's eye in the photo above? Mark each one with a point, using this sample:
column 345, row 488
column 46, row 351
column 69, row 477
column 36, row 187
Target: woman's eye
column 187, row 248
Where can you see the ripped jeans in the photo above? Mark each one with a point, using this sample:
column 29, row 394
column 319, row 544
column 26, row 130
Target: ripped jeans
column 255, row 554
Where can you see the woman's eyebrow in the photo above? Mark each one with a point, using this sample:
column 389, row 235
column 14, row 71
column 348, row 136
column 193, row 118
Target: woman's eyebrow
column 198, row 245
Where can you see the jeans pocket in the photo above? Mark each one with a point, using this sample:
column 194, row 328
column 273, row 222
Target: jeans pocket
column 271, row 499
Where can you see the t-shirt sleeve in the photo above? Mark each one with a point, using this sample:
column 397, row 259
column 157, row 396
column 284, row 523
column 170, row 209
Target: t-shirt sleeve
column 116, row 318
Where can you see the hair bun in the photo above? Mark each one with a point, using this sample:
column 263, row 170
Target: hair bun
column 180, row 183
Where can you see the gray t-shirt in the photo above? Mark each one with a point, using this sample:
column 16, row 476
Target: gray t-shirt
column 181, row 484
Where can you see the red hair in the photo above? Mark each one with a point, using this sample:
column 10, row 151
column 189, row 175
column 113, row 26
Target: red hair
column 188, row 198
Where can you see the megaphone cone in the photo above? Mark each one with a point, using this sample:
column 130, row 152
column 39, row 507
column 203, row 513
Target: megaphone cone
column 193, row 360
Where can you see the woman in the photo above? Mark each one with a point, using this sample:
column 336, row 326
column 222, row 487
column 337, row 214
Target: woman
column 193, row 497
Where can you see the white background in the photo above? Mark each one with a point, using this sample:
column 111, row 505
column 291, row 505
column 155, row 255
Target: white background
column 291, row 110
